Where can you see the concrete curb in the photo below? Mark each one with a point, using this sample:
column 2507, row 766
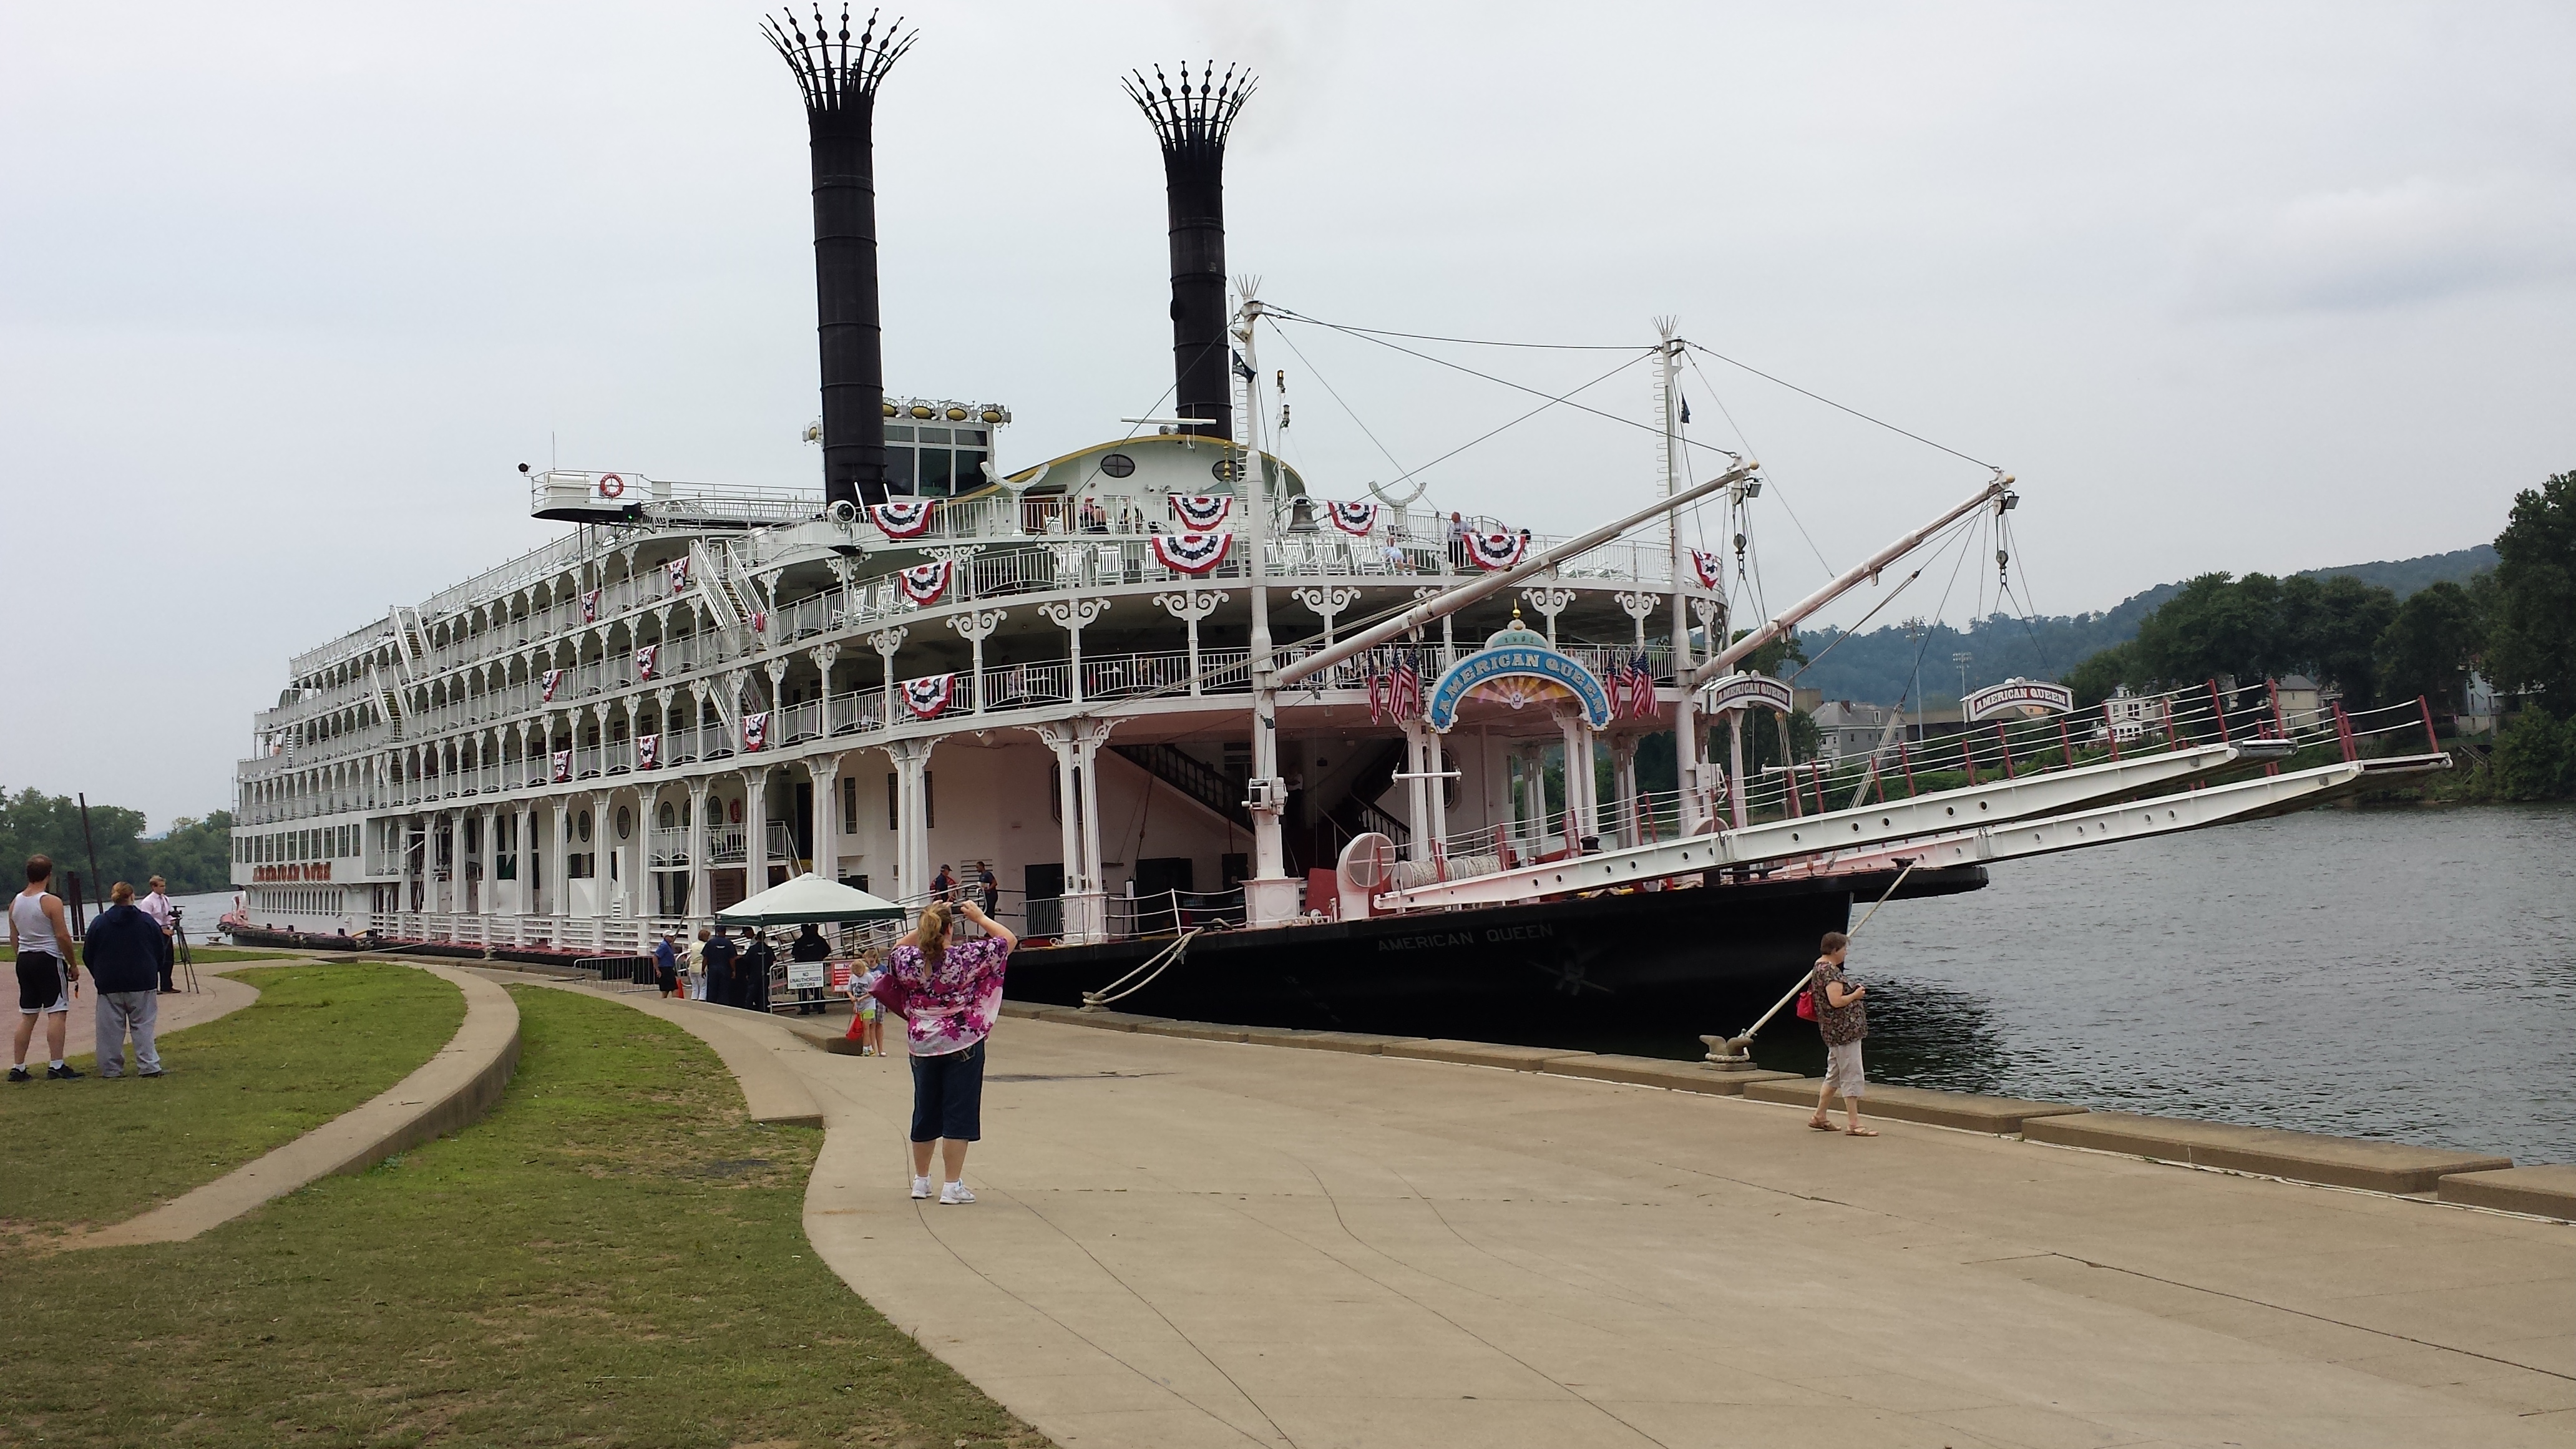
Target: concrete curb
column 452, row 1089
column 1659, row 1072
column 2393, row 1167
column 2543, row 1192
column 1966, row 1111
column 1478, row 1053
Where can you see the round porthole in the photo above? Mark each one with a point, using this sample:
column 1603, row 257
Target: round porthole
column 1226, row 470
column 1117, row 465
column 625, row 822
column 582, row 827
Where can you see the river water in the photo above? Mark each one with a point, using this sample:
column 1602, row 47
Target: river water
column 2396, row 972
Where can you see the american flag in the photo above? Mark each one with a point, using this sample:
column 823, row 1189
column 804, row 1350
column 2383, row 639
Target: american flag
column 1641, row 689
column 1404, row 691
column 1377, row 682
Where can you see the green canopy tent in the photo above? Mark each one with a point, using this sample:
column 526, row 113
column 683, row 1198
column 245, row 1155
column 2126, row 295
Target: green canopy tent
column 808, row 897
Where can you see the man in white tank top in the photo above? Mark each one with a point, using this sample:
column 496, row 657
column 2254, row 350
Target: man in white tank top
column 48, row 971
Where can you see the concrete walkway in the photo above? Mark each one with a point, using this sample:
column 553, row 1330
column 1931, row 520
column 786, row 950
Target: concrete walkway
column 450, row 1090
column 1197, row 1243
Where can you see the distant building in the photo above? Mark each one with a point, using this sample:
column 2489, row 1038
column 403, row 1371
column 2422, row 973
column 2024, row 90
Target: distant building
column 2304, row 706
column 1848, row 731
column 2477, row 706
column 2128, row 716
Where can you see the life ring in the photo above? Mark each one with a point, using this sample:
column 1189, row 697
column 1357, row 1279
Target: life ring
column 611, row 486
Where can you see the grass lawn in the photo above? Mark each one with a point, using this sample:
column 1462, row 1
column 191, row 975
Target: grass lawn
column 614, row 1256
column 319, row 1041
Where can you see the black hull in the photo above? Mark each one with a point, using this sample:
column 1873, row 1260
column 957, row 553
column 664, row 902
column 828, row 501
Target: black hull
column 1672, row 963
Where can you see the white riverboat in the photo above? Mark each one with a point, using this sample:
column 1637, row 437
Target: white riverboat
column 1225, row 741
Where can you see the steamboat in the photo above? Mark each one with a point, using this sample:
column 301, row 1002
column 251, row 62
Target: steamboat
column 1221, row 741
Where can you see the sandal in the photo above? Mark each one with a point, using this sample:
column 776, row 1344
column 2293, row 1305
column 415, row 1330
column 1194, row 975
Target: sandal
column 1821, row 1125
column 1858, row 1132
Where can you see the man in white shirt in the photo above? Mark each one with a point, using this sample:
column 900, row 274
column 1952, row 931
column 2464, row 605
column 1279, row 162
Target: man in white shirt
column 157, row 906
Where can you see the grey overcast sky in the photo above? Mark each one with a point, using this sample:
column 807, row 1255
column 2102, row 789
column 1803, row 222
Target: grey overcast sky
column 290, row 288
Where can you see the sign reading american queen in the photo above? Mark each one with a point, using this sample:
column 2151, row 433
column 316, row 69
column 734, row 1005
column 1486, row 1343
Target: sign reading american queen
column 1751, row 691
column 2020, row 696
column 1560, row 676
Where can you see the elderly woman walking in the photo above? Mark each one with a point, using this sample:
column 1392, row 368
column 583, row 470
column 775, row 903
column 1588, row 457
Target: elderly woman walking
column 952, row 992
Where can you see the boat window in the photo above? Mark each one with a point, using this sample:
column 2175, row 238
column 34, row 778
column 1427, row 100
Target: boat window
column 934, row 435
column 970, row 468
column 895, row 434
column 1117, row 465
column 899, row 469
column 934, row 479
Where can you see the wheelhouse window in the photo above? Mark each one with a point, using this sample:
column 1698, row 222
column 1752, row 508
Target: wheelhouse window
column 935, row 462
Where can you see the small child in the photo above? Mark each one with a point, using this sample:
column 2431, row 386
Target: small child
column 863, row 983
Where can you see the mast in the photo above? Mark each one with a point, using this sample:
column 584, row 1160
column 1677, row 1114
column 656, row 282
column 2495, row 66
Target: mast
column 839, row 79
column 1270, row 897
column 1686, row 751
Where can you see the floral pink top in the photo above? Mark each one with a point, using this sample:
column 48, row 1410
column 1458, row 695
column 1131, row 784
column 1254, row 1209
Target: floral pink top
column 952, row 1008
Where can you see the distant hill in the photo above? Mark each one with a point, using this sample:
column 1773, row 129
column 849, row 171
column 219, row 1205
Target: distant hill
column 1878, row 666
column 2406, row 575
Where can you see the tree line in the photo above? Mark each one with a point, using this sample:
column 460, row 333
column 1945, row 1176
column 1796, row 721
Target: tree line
column 2514, row 624
column 193, row 856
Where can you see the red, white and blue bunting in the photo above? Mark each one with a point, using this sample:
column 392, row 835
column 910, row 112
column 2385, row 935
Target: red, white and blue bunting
column 590, row 607
column 563, row 766
column 927, row 696
column 1352, row 518
column 1201, row 512
column 648, row 752
column 902, row 517
column 755, row 730
column 645, row 659
column 1496, row 550
column 1710, row 567
column 924, row 583
column 678, row 569
column 553, row 678
column 1191, row 553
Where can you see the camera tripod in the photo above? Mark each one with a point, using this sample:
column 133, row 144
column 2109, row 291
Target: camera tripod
column 186, row 962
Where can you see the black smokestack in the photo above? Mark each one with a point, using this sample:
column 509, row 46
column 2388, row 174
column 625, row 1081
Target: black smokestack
column 1192, row 125
column 839, row 77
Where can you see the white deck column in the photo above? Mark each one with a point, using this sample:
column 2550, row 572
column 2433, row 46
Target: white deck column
column 603, row 842
column 698, row 913
column 755, row 830
column 826, row 824
column 559, row 863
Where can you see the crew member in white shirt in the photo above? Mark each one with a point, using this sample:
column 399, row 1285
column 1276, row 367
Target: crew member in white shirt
column 157, row 906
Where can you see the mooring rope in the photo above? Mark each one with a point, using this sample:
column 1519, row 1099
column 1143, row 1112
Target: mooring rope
column 1153, row 966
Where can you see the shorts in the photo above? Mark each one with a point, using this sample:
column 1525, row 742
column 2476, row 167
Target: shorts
column 869, row 1008
column 1843, row 1075
column 948, row 1096
column 43, row 985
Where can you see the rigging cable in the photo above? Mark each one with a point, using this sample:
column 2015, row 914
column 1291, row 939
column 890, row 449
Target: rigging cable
column 1283, row 336
column 1366, row 336
column 1794, row 520
column 1829, row 402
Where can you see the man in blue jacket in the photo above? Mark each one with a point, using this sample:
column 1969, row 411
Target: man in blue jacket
column 125, row 951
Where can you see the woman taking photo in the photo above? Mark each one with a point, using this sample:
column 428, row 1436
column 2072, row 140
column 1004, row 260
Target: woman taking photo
column 953, row 991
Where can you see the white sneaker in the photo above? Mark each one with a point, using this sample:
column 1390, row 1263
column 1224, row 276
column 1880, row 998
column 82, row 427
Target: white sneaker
column 954, row 1192
column 921, row 1187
